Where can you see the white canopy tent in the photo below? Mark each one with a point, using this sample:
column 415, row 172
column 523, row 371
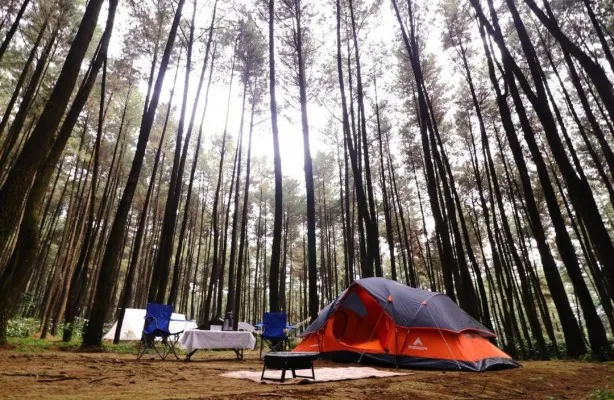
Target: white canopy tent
column 133, row 325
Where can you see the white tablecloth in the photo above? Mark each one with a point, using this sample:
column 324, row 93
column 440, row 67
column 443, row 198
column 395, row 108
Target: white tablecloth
column 200, row 339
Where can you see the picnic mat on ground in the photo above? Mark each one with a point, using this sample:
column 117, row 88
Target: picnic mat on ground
column 324, row 374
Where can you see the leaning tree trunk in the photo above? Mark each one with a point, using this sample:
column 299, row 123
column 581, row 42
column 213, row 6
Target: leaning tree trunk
column 308, row 167
column 13, row 28
column 573, row 336
column 24, row 256
column 16, row 186
column 243, row 233
column 93, row 333
column 165, row 250
column 177, row 194
column 278, row 217
column 22, row 77
column 140, row 232
column 449, row 262
column 27, row 99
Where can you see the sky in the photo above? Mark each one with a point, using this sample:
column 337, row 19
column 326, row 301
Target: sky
column 290, row 132
column 378, row 36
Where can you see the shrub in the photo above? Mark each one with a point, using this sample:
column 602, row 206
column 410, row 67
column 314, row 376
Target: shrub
column 602, row 394
column 22, row 327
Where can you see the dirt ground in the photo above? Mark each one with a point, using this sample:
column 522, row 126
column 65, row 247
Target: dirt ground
column 72, row 375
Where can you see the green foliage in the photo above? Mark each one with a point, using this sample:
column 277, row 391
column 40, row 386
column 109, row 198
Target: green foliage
column 29, row 344
column 77, row 326
column 602, row 394
column 22, row 327
column 36, row 345
column 122, row 348
column 535, row 354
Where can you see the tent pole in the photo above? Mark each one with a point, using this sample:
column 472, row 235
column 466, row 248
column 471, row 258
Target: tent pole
column 374, row 328
column 444, row 339
column 396, row 336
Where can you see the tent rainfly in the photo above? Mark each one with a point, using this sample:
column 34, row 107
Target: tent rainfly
column 383, row 321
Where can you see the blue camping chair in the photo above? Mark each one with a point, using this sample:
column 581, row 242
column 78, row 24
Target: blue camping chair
column 156, row 333
column 274, row 331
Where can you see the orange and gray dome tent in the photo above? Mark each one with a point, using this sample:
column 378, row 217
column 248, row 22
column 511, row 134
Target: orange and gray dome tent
column 383, row 321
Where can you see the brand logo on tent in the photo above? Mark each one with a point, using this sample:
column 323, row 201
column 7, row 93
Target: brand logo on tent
column 417, row 345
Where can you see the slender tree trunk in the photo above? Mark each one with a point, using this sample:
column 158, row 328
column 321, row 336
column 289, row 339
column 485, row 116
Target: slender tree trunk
column 387, row 216
column 22, row 77
column 174, row 285
column 26, row 248
column 13, row 28
column 140, row 232
column 449, row 262
column 230, row 298
column 373, row 253
column 13, row 191
column 278, row 217
column 165, row 251
column 573, row 336
column 215, row 269
column 308, row 167
column 15, row 129
column 93, row 333
column 243, row 233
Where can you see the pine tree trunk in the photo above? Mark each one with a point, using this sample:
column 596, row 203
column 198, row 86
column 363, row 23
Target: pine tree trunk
column 22, row 77
column 177, row 194
column 215, row 269
column 449, row 262
column 93, row 333
column 165, row 250
column 15, row 129
column 385, row 194
column 277, row 217
column 243, row 233
column 35, row 150
column 308, row 167
column 13, row 28
column 573, row 336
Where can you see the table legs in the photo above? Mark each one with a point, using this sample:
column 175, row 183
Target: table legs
column 238, row 352
column 189, row 356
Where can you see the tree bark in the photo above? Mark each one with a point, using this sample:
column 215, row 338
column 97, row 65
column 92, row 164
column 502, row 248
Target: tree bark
column 277, row 217
column 93, row 333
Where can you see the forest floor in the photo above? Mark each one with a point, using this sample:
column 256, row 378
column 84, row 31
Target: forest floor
column 57, row 373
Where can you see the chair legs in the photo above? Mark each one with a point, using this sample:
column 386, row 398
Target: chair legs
column 168, row 344
column 274, row 345
column 147, row 344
